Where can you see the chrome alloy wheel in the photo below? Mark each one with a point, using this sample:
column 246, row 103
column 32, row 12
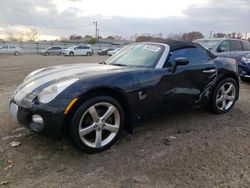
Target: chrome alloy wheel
column 226, row 96
column 99, row 124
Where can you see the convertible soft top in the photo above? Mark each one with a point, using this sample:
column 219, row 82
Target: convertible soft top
column 177, row 44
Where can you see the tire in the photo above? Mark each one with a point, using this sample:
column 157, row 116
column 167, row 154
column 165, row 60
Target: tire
column 47, row 53
column 71, row 53
column 223, row 100
column 88, row 54
column 89, row 119
column 17, row 53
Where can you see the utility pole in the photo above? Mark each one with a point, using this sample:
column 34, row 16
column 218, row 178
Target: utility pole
column 96, row 30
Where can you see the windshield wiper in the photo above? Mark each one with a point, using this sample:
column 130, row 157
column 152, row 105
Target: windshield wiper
column 102, row 62
column 122, row 65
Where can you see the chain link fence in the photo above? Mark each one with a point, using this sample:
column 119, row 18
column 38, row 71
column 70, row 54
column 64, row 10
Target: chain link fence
column 36, row 47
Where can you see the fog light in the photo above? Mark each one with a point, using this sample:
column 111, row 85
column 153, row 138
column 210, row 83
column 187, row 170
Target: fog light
column 37, row 124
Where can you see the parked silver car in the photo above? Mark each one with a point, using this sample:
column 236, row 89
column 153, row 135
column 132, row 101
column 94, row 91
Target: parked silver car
column 225, row 47
column 54, row 50
column 9, row 49
column 112, row 52
column 78, row 50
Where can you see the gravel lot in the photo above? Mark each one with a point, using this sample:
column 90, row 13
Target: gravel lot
column 209, row 150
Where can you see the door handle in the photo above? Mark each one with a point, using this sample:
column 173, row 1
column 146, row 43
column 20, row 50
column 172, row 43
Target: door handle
column 209, row 71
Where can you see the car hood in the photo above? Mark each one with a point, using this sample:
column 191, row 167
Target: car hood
column 46, row 76
column 75, row 70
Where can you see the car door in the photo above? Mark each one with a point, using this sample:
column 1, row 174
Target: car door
column 77, row 50
column 54, row 50
column 82, row 50
column 4, row 50
column 58, row 50
column 11, row 49
column 50, row 50
column 190, row 82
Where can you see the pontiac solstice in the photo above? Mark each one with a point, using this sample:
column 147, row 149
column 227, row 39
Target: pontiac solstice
column 93, row 103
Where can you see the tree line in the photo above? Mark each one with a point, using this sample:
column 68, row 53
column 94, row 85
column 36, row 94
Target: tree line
column 29, row 35
column 189, row 36
column 33, row 35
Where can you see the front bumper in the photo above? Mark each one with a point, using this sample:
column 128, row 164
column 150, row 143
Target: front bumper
column 53, row 117
column 244, row 70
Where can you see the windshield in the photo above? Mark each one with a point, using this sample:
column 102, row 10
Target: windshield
column 140, row 54
column 208, row 44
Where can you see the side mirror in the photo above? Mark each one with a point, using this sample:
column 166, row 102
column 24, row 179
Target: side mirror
column 181, row 61
column 177, row 62
column 221, row 49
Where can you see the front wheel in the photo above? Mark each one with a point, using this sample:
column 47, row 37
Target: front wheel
column 88, row 54
column 71, row 53
column 224, row 96
column 97, row 124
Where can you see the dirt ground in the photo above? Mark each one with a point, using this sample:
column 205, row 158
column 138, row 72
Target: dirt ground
column 209, row 150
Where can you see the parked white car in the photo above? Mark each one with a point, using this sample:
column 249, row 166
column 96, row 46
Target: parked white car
column 9, row 49
column 78, row 50
column 112, row 52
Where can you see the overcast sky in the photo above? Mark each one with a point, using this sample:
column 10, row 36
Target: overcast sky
column 55, row 18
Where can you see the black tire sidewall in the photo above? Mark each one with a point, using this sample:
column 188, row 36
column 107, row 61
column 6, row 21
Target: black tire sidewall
column 213, row 104
column 71, row 53
column 17, row 53
column 74, row 133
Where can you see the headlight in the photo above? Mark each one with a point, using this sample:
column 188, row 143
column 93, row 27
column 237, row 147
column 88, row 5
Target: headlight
column 50, row 92
column 245, row 59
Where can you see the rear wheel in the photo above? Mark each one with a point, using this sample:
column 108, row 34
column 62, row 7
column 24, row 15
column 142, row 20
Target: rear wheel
column 97, row 124
column 224, row 96
column 47, row 53
column 17, row 53
column 71, row 53
column 88, row 54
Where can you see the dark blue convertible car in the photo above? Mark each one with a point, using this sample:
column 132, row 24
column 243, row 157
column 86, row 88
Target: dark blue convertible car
column 93, row 103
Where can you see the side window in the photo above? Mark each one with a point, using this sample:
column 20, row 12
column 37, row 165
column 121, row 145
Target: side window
column 246, row 45
column 194, row 55
column 4, row 47
column 12, row 47
column 235, row 45
column 224, row 46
